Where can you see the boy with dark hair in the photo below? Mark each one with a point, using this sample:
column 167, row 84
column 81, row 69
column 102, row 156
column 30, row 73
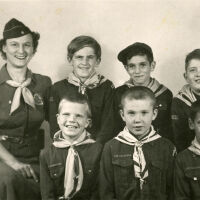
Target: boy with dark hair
column 84, row 54
column 139, row 63
column 187, row 170
column 70, row 166
column 138, row 163
column 182, row 102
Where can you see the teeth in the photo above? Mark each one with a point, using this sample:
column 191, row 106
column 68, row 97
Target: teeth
column 71, row 126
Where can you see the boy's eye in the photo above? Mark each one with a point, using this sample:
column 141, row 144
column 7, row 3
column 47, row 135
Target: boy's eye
column 144, row 112
column 13, row 44
column 91, row 57
column 131, row 66
column 192, row 70
column 28, row 45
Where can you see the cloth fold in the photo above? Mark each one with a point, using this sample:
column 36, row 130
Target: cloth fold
column 195, row 147
column 92, row 82
column 73, row 168
column 139, row 161
column 23, row 91
column 186, row 95
column 154, row 85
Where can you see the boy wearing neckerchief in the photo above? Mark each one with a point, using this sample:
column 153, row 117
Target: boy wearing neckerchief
column 182, row 102
column 138, row 163
column 139, row 63
column 84, row 54
column 187, row 165
column 69, row 168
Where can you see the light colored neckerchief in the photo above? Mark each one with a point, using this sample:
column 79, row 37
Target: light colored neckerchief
column 186, row 95
column 195, row 147
column 139, row 161
column 73, row 168
column 92, row 82
column 21, row 90
column 154, row 85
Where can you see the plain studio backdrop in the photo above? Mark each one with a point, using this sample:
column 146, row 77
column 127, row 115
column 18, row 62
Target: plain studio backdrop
column 171, row 28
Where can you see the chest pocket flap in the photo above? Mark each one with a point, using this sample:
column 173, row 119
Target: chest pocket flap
column 56, row 170
column 193, row 173
column 123, row 162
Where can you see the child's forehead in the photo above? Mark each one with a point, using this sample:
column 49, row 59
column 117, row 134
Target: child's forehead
column 194, row 62
column 68, row 106
column 144, row 102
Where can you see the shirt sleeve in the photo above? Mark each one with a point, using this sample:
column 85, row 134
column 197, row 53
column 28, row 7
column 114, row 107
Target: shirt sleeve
column 53, row 110
column 107, row 118
column 181, row 132
column 46, row 183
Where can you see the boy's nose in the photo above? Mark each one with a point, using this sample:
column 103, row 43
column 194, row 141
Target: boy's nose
column 137, row 119
column 71, row 118
column 137, row 69
column 84, row 61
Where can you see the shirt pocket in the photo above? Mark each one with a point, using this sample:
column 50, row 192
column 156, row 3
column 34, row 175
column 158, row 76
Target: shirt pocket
column 157, row 177
column 193, row 176
column 57, row 174
column 56, row 170
column 123, row 171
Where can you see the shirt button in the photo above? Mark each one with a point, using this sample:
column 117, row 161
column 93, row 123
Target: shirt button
column 55, row 174
column 9, row 101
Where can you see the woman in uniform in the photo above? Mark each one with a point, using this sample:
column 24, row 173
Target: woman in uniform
column 23, row 103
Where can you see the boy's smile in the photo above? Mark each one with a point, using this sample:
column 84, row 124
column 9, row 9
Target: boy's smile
column 192, row 75
column 73, row 119
column 138, row 115
column 139, row 69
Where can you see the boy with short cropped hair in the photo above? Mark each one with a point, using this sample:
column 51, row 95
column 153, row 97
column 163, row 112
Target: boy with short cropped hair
column 182, row 102
column 70, row 166
column 139, row 63
column 187, row 164
column 138, row 163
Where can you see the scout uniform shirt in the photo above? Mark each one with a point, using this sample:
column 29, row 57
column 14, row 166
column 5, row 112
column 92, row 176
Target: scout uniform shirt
column 22, row 126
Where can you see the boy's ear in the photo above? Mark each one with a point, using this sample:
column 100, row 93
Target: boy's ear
column 89, row 124
column 122, row 114
column 69, row 59
column 153, row 65
column 155, row 113
column 185, row 76
column 98, row 61
column 58, row 119
column 191, row 124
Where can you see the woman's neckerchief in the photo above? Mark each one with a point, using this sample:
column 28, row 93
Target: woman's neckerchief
column 195, row 147
column 92, row 82
column 186, row 95
column 139, row 161
column 154, row 85
column 73, row 168
column 21, row 91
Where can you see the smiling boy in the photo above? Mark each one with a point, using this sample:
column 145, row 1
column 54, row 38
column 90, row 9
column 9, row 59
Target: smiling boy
column 182, row 102
column 84, row 54
column 69, row 168
column 138, row 163
column 139, row 63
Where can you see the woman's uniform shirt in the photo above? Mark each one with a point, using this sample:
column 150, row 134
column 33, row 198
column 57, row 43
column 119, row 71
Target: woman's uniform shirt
column 117, row 176
column 162, row 123
column 187, row 176
column 52, row 171
column 101, row 101
column 22, row 126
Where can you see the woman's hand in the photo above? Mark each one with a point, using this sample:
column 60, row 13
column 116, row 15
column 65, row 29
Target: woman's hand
column 25, row 169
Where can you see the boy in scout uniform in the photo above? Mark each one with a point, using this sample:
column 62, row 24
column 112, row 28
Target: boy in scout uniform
column 70, row 166
column 138, row 163
column 182, row 102
column 139, row 63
